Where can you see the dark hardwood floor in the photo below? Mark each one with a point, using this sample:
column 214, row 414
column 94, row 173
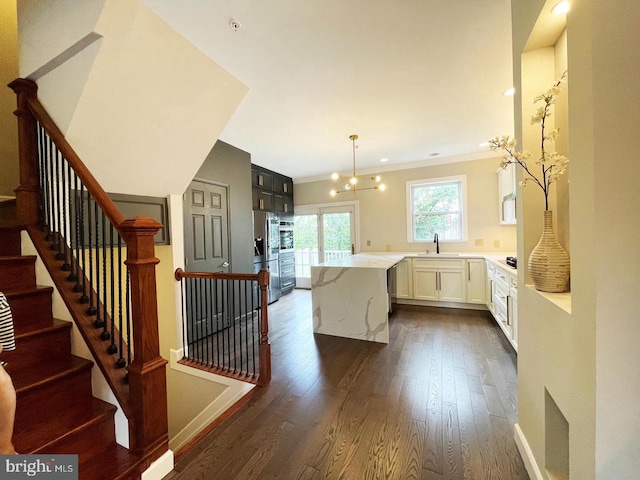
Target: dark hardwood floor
column 438, row 402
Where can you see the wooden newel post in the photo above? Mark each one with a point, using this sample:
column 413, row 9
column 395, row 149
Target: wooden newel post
column 28, row 193
column 147, row 373
column 264, row 348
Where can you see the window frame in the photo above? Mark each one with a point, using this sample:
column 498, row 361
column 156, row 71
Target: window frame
column 462, row 181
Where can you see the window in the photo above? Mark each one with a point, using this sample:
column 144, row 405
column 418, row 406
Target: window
column 436, row 206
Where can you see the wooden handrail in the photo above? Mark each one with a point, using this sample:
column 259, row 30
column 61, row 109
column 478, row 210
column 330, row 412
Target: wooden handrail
column 180, row 274
column 145, row 403
column 27, row 91
column 262, row 277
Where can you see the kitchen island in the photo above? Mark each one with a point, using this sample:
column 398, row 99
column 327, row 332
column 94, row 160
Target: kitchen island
column 350, row 296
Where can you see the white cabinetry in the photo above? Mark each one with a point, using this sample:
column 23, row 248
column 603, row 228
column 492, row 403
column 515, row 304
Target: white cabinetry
column 404, row 279
column 476, row 281
column 439, row 279
column 502, row 285
column 507, row 194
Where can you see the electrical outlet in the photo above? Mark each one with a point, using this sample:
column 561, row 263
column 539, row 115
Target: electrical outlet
column 479, row 242
column 368, row 243
column 496, row 243
column 388, row 248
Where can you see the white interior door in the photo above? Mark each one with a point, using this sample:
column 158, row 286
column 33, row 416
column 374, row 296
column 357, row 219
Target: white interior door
column 322, row 234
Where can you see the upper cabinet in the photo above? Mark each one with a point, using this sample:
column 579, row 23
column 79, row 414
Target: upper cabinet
column 282, row 184
column 261, row 178
column 272, row 191
column 507, row 194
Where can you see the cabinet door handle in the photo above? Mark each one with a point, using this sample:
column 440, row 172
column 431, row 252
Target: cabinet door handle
column 262, row 204
column 260, row 180
column 437, row 280
column 507, row 302
column 469, row 270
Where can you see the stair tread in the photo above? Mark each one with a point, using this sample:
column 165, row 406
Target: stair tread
column 113, row 462
column 17, row 258
column 25, row 291
column 50, row 429
column 57, row 324
column 47, row 372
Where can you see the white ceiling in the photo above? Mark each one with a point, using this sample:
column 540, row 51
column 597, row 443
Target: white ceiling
column 412, row 78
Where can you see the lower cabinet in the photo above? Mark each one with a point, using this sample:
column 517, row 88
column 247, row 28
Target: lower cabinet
column 439, row 279
column 476, row 281
column 404, row 280
column 287, row 272
column 502, row 301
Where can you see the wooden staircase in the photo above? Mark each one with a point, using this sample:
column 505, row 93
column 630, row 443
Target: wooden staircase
column 56, row 411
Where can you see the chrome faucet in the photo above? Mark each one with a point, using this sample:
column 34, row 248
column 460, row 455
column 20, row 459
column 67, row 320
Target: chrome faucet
column 435, row 240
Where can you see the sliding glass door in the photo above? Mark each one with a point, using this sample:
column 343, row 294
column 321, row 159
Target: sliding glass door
column 322, row 234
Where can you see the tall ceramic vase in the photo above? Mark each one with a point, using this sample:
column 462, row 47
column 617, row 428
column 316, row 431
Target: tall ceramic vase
column 549, row 264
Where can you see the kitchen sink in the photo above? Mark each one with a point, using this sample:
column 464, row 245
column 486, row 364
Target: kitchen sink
column 435, row 255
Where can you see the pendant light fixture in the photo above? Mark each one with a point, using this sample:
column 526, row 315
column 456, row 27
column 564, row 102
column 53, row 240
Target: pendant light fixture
column 353, row 184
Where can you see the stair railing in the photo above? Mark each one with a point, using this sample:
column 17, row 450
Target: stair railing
column 102, row 264
column 225, row 324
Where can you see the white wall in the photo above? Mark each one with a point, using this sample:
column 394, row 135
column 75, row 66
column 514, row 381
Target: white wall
column 139, row 103
column 587, row 358
column 383, row 215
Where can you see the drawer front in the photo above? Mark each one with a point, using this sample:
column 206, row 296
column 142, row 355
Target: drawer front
column 440, row 263
column 502, row 277
column 491, row 267
column 513, row 286
column 287, row 271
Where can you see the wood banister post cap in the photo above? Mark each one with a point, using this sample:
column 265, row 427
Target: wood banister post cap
column 22, row 85
column 141, row 225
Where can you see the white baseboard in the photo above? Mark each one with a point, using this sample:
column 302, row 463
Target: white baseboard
column 527, row 454
column 160, row 468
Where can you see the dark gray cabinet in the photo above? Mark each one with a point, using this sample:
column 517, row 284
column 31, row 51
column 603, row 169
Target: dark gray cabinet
column 287, row 272
column 272, row 191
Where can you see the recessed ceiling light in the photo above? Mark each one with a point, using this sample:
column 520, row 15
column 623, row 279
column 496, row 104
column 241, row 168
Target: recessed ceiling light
column 384, row 159
column 235, row 25
column 434, row 154
column 510, row 92
column 561, row 8
column 484, row 144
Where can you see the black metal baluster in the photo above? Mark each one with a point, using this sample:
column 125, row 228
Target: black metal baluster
column 105, row 333
column 128, row 310
column 225, row 309
column 191, row 313
column 75, row 232
column 219, row 321
column 120, row 363
column 49, row 161
column 232, row 307
column 66, row 266
column 42, row 171
column 183, row 289
column 247, row 290
column 83, row 259
column 112, row 348
column 209, row 328
column 92, row 310
column 46, row 181
column 99, row 322
column 200, row 319
column 57, row 223
column 238, row 316
column 253, row 328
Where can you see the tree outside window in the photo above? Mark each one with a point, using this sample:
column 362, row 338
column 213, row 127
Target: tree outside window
column 436, row 207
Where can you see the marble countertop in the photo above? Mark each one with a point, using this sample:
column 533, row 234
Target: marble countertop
column 366, row 260
column 389, row 259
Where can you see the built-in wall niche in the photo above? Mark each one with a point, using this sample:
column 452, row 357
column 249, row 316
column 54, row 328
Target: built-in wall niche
column 556, row 440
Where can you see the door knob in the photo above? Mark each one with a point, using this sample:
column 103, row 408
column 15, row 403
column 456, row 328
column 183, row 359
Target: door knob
column 225, row 265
